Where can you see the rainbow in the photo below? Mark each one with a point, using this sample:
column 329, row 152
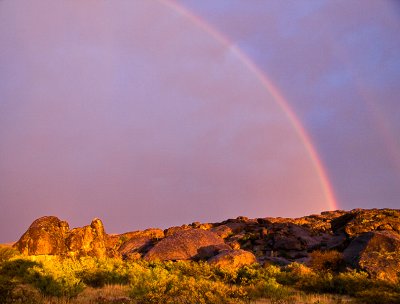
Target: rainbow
column 273, row 90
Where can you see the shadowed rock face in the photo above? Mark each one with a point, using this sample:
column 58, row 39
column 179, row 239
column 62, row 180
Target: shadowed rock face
column 369, row 239
column 378, row 253
column 183, row 245
column 133, row 244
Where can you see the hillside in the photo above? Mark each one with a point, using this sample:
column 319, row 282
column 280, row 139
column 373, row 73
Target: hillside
column 332, row 252
column 367, row 238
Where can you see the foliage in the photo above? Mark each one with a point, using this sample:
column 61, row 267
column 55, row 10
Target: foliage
column 181, row 282
column 328, row 260
column 6, row 289
column 7, row 253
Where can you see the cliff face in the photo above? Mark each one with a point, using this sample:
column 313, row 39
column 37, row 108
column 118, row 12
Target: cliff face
column 368, row 239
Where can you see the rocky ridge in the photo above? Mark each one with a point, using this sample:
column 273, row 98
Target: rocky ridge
column 368, row 239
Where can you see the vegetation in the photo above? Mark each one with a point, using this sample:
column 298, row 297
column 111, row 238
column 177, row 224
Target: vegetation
column 50, row 279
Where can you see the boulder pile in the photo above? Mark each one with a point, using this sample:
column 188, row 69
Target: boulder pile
column 367, row 239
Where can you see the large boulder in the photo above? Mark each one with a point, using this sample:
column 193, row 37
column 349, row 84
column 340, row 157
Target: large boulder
column 46, row 235
column 184, row 245
column 233, row 258
column 172, row 230
column 377, row 252
column 138, row 241
column 292, row 237
column 228, row 229
column 88, row 240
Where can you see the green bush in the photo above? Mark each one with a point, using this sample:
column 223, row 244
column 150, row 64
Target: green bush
column 100, row 278
column 171, row 283
column 6, row 253
column 18, row 269
column 378, row 296
column 351, row 282
column 270, row 289
column 329, row 260
column 6, row 289
column 181, row 282
column 57, row 287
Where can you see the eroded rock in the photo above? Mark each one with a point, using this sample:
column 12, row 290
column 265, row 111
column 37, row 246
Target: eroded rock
column 183, row 245
column 377, row 252
column 233, row 258
column 45, row 235
column 88, row 240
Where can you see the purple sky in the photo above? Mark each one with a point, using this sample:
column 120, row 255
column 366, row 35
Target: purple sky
column 131, row 112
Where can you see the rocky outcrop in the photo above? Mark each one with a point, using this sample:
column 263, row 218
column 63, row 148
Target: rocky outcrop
column 233, row 258
column 377, row 252
column 369, row 240
column 184, row 245
column 49, row 235
column 134, row 244
column 46, row 235
column 88, row 240
column 359, row 221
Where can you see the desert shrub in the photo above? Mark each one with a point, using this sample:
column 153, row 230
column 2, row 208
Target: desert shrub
column 249, row 274
column 270, row 289
column 6, row 289
column 378, row 296
column 56, row 277
column 24, row 294
column 100, row 278
column 351, row 282
column 13, row 275
column 272, row 271
column 18, row 270
column 293, row 273
column 188, row 268
column 6, row 253
column 226, row 275
column 316, row 282
column 99, row 272
column 330, row 260
column 169, row 283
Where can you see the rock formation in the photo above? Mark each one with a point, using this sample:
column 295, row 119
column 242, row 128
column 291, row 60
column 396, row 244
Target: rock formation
column 184, row 245
column 233, row 258
column 46, row 235
column 88, row 240
column 378, row 253
column 368, row 239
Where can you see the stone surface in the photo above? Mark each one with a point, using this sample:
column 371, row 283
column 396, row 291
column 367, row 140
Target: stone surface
column 369, row 240
column 138, row 241
column 233, row 258
column 183, row 245
column 377, row 252
column 289, row 236
column 359, row 221
column 172, row 230
column 88, row 240
column 45, row 235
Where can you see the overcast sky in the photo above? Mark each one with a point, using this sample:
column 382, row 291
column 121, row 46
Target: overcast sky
column 149, row 113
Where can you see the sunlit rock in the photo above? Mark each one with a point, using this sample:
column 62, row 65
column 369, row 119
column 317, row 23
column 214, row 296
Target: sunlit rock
column 183, row 245
column 45, row 235
column 233, row 258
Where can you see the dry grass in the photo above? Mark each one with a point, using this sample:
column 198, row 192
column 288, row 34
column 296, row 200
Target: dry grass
column 109, row 294
column 309, row 299
column 118, row 294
